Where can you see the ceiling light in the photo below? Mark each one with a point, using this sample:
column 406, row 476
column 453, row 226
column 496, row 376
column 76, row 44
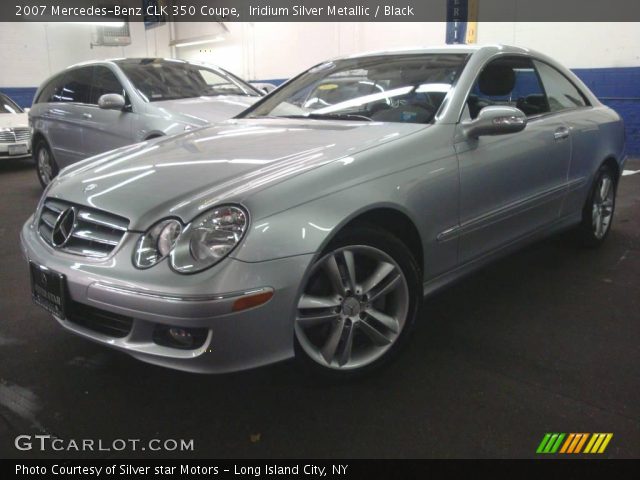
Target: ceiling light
column 197, row 41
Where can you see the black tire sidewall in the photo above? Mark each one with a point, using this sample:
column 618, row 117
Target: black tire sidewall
column 375, row 237
column 54, row 166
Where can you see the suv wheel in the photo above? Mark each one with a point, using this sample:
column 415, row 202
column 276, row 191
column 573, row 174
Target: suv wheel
column 46, row 166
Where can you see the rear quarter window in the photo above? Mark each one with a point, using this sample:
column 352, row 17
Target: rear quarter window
column 49, row 90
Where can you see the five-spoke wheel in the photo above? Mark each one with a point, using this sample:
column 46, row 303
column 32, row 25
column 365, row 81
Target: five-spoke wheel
column 356, row 303
column 46, row 167
column 598, row 211
column 602, row 209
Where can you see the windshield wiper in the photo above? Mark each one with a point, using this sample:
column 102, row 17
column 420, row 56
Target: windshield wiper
column 332, row 116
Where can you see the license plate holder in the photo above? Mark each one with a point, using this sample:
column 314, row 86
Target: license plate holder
column 18, row 149
column 49, row 290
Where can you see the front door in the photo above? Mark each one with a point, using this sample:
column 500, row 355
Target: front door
column 64, row 117
column 513, row 184
column 106, row 130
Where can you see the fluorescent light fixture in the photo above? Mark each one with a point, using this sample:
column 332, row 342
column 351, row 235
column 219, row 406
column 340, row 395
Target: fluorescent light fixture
column 196, row 41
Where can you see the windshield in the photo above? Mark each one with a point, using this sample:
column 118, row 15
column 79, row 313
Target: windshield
column 8, row 106
column 166, row 80
column 385, row 88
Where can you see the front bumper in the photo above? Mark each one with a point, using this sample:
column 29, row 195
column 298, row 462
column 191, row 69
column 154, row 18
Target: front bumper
column 159, row 296
column 4, row 151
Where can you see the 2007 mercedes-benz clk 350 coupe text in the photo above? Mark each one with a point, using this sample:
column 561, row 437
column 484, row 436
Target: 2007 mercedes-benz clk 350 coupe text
column 313, row 223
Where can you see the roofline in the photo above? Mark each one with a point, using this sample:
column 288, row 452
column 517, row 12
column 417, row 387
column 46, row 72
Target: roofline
column 114, row 61
column 457, row 48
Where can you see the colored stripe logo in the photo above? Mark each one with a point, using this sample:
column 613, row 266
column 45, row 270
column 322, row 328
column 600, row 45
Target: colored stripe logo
column 574, row 443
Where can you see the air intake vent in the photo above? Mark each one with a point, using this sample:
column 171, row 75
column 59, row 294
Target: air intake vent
column 80, row 230
column 101, row 321
column 113, row 36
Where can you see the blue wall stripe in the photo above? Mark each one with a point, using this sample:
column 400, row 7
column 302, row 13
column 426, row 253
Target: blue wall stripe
column 619, row 88
column 275, row 81
column 23, row 96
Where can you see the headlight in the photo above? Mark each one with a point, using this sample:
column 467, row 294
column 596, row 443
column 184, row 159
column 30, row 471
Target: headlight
column 157, row 243
column 208, row 239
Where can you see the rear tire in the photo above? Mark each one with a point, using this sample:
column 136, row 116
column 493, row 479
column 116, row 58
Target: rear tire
column 597, row 214
column 46, row 166
column 358, row 305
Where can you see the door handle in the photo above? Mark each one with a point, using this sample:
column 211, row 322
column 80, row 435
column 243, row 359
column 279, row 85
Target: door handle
column 86, row 115
column 561, row 133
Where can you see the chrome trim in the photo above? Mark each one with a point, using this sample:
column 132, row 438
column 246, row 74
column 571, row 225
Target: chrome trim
column 102, row 232
column 49, row 205
column 98, row 219
column 182, row 298
column 448, row 234
column 47, row 221
column 60, row 227
column 532, row 57
column 561, row 133
column 488, row 218
column 86, row 234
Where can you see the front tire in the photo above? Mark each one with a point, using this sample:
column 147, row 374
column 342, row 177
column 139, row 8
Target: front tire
column 597, row 215
column 358, row 305
column 46, row 166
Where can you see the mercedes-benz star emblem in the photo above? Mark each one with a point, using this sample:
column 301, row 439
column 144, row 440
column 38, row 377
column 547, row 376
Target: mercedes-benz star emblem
column 63, row 228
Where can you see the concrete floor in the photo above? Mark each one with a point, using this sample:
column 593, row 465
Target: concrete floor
column 546, row 340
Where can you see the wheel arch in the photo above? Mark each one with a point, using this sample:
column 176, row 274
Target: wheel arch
column 154, row 134
column 611, row 162
column 37, row 137
column 389, row 218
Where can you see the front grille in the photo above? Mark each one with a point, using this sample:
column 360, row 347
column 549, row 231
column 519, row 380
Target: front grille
column 101, row 321
column 15, row 135
column 95, row 233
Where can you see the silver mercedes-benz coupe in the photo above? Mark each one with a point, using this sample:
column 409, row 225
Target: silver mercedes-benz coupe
column 313, row 224
column 96, row 106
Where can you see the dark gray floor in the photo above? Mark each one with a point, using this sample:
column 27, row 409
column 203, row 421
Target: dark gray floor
column 546, row 340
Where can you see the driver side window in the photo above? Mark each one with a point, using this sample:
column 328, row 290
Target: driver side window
column 509, row 81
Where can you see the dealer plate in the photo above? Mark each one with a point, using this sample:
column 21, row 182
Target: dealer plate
column 48, row 289
column 18, row 149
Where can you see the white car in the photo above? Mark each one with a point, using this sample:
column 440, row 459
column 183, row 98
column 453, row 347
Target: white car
column 15, row 136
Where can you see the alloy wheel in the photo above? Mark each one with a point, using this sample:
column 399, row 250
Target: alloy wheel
column 45, row 169
column 353, row 307
column 602, row 208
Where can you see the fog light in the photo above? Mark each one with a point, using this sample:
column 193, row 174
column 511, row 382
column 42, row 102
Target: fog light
column 179, row 337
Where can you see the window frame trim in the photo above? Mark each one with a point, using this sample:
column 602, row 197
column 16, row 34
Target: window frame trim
column 532, row 58
column 587, row 103
column 125, row 94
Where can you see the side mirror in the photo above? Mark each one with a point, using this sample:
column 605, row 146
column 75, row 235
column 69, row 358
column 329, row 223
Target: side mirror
column 111, row 101
column 495, row 120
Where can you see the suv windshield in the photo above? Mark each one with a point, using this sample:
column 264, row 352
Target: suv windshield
column 8, row 106
column 400, row 88
column 158, row 80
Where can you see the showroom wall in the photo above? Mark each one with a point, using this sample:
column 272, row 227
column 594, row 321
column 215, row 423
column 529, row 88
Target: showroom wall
column 605, row 55
column 42, row 49
column 275, row 51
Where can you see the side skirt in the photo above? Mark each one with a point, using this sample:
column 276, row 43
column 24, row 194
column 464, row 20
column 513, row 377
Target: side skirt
column 471, row 266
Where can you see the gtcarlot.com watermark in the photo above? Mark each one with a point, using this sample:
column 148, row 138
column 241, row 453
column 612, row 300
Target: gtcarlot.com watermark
column 46, row 443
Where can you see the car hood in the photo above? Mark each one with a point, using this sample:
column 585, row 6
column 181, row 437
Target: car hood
column 14, row 120
column 204, row 110
column 183, row 175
